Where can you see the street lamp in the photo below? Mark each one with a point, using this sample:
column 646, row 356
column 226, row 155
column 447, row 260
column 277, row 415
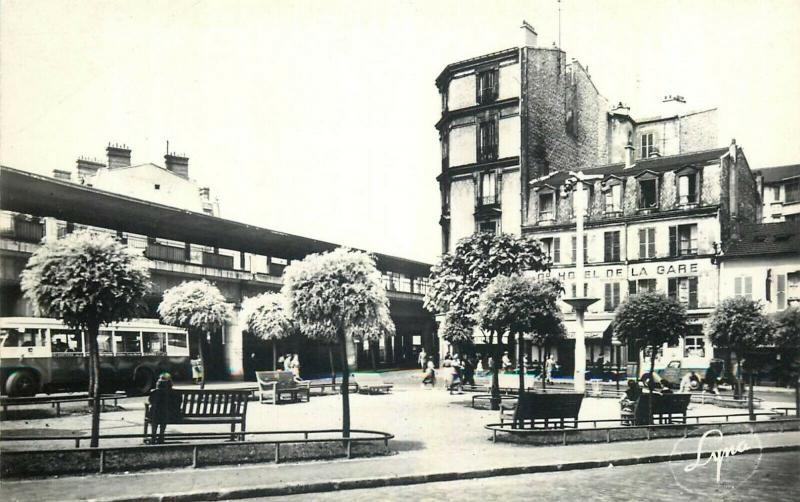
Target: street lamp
column 614, row 344
column 574, row 185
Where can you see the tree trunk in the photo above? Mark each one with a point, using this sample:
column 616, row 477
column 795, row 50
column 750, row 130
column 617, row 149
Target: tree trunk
column 495, row 400
column 274, row 355
column 345, row 385
column 202, row 342
column 737, row 394
column 94, row 371
column 372, row 355
column 797, row 396
column 651, row 385
column 542, row 366
column 521, row 366
column 333, row 368
column 750, row 397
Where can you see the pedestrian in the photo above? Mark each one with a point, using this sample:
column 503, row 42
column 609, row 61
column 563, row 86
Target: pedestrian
column 468, row 369
column 711, row 379
column 479, row 367
column 422, row 359
column 507, row 366
column 295, row 366
column 430, row 373
column 549, row 365
column 287, row 362
column 165, row 408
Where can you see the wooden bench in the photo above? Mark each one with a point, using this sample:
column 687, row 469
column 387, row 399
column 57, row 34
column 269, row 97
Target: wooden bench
column 335, row 387
column 548, row 411
column 667, row 409
column 371, row 383
column 275, row 385
column 203, row 407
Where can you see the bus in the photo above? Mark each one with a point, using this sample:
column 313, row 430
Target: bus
column 43, row 355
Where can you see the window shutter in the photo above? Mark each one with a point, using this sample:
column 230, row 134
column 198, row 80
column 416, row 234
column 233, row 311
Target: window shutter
column 672, row 288
column 748, row 287
column 575, row 249
column 615, row 246
column 607, row 297
column 631, row 287
column 651, row 243
column 557, row 250
column 607, row 246
column 781, row 292
column 692, row 292
column 615, row 300
column 642, row 243
column 673, row 241
column 585, row 249
column 737, row 286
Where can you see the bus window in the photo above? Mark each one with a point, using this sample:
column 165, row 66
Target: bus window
column 178, row 344
column 65, row 341
column 127, row 342
column 30, row 337
column 104, row 342
column 154, row 343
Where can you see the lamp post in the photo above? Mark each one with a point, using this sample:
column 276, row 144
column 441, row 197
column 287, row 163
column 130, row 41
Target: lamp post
column 615, row 343
column 580, row 303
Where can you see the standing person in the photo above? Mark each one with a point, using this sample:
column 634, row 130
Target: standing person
column 295, row 366
column 287, row 362
column 711, row 379
column 469, row 371
column 165, row 406
column 507, row 366
column 430, row 373
column 548, row 367
column 422, row 359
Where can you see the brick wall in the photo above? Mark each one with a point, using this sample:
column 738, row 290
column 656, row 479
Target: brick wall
column 699, row 131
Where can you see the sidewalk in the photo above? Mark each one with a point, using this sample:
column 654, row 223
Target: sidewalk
column 403, row 468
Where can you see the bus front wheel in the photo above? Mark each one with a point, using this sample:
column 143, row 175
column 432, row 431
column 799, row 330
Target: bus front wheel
column 143, row 382
column 21, row 383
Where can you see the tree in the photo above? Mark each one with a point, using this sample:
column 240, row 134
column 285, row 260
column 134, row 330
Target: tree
column 87, row 280
column 650, row 320
column 520, row 305
column 267, row 317
column 338, row 297
column 458, row 280
column 197, row 306
column 740, row 326
column 787, row 341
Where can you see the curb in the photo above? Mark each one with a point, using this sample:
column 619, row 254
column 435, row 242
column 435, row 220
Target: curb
column 414, row 479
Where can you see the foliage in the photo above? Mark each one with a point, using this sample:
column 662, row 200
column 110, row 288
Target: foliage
column 267, row 316
column 650, row 319
column 86, row 278
column 458, row 280
column 739, row 324
column 787, row 329
column 522, row 305
column 331, row 294
column 458, row 329
column 196, row 305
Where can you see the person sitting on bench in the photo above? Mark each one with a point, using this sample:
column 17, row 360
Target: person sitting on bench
column 165, row 407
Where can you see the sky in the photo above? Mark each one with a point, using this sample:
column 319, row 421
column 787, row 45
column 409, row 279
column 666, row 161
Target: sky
column 317, row 117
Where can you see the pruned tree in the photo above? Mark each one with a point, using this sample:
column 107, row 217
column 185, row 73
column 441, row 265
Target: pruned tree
column 197, row 306
column 87, row 280
column 458, row 280
column 786, row 338
column 267, row 317
column 338, row 297
column 650, row 319
column 521, row 305
column 739, row 326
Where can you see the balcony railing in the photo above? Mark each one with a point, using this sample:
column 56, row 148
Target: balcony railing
column 157, row 251
column 487, row 200
column 487, row 153
column 15, row 227
column 217, row 260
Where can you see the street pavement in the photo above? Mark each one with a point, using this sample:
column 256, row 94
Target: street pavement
column 438, row 437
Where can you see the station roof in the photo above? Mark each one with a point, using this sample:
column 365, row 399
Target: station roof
column 30, row 193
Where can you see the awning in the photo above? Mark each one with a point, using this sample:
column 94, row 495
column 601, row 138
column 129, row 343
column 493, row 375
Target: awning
column 595, row 329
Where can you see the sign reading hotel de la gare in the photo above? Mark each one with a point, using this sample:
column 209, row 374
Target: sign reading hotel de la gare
column 636, row 271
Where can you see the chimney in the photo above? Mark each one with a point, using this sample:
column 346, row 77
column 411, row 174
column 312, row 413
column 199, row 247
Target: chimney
column 673, row 105
column 732, row 150
column 87, row 168
column 60, row 174
column 528, row 35
column 629, row 155
column 177, row 164
column 118, row 156
column 622, row 110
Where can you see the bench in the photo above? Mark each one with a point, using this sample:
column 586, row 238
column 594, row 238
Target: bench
column 371, row 383
column 55, row 401
column 548, row 411
column 203, row 407
column 667, row 409
column 335, row 387
column 275, row 385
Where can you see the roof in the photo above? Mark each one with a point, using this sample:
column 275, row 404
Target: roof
column 778, row 173
column 766, row 238
column 42, row 196
column 654, row 164
column 467, row 63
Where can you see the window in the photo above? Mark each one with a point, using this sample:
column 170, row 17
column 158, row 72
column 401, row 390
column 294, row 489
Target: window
column 776, row 193
column 552, row 248
column 684, row 290
column 487, row 86
column 648, row 193
column 647, row 243
column 683, row 240
column 547, row 203
column 688, row 189
column 104, row 342
column 781, row 292
column 574, row 249
column 641, row 286
column 694, row 346
column 487, row 140
column 30, row 337
column 648, row 147
column 154, row 342
column 127, row 342
column 488, row 188
column 178, row 340
column 792, row 191
column 612, row 199
column 66, row 341
column 489, row 227
column 743, row 287
column 585, row 248
column 157, row 186
column 611, row 296
column 611, row 246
